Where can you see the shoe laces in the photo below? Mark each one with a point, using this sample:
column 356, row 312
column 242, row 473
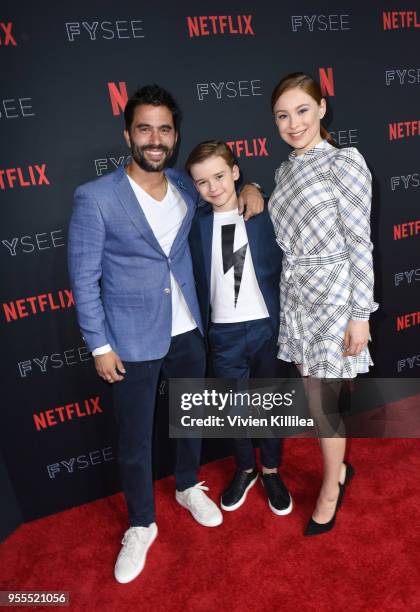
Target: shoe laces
column 274, row 484
column 131, row 540
column 196, row 494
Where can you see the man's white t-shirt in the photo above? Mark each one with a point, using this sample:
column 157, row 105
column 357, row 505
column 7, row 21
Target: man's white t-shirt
column 165, row 218
column 234, row 291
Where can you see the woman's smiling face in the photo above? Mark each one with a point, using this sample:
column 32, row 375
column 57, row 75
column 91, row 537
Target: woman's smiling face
column 298, row 119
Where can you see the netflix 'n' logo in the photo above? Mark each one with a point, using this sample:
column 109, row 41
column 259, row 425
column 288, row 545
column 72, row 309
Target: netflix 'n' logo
column 326, row 81
column 6, row 36
column 118, row 96
column 30, row 176
column 203, row 25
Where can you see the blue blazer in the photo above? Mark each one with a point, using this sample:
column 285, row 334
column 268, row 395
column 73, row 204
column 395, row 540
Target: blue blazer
column 266, row 257
column 119, row 274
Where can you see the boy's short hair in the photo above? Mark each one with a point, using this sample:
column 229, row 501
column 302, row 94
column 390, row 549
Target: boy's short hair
column 207, row 149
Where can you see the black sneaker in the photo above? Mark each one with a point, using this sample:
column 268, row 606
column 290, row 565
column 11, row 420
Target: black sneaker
column 235, row 494
column 279, row 498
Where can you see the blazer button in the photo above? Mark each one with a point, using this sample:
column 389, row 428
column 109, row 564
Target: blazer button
column 167, row 290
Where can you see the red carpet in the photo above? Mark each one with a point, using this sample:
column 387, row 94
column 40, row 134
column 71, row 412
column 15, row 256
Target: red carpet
column 255, row 561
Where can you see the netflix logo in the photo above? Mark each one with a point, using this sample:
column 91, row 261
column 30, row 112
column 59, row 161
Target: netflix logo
column 404, row 129
column 29, row 176
column 36, row 304
column 255, row 147
column 408, row 320
column 204, row 25
column 406, row 230
column 6, row 35
column 396, row 20
column 320, row 23
column 68, row 412
column 120, row 29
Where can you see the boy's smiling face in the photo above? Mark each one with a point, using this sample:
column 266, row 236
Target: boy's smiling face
column 215, row 181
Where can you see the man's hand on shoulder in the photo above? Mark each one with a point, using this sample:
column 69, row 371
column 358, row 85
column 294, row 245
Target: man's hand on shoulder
column 109, row 367
column 251, row 201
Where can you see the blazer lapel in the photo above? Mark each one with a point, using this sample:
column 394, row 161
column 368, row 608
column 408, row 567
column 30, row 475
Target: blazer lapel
column 130, row 204
column 191, row 209
column 206, row 229
column 251, row 227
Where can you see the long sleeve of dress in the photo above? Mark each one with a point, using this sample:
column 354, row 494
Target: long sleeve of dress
column 352, row 187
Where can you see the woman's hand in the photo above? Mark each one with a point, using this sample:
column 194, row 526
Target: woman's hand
column 251, row 199
column 356, row 338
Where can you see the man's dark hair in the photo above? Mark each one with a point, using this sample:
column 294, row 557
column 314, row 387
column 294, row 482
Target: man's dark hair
column 155, row 96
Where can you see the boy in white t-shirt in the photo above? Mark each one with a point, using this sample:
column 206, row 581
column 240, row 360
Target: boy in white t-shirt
column 237, row 269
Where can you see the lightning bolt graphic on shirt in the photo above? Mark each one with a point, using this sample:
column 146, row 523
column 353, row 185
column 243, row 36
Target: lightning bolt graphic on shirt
column 233, row 258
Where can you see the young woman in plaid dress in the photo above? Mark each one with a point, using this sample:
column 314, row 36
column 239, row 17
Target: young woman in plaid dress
column 320, row 209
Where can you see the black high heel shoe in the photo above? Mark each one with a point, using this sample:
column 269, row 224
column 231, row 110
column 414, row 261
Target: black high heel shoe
column 342, row 486
column 314, row 528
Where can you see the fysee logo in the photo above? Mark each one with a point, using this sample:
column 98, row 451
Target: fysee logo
column 408, row 362
column 229, row 89
column 90, row 459
column 402, row 76
column 106, row 30
column 320, row 23
column 405, row 181
column 6, row 36
column 204, row 25
column 15, row 108
column 109, row 163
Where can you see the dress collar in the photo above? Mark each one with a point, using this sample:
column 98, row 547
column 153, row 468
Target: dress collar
column 316, row 151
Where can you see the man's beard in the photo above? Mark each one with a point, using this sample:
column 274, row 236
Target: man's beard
column 138, row 156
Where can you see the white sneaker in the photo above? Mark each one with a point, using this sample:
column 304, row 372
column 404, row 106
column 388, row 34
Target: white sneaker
column 203, row 509
column 136, row 542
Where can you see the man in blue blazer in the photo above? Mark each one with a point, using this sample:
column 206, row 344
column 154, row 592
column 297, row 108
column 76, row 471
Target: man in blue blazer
column 131, row 274
column 237, row 268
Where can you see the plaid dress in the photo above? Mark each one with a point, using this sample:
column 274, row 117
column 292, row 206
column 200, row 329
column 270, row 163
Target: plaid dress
column 320, row 209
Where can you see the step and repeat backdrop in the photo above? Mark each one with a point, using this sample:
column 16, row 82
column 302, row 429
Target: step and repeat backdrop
column 67, row 69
